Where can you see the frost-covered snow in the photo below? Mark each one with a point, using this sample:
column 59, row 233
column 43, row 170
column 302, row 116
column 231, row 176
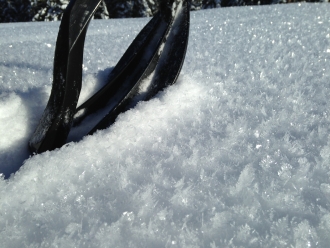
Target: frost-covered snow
column 236, row 154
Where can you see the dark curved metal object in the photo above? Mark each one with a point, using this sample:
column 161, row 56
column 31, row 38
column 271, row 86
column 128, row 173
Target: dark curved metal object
column 162, row 56
column 155, row 57
column 56, row 120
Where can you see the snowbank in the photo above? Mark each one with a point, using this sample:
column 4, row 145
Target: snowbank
column 236, row 154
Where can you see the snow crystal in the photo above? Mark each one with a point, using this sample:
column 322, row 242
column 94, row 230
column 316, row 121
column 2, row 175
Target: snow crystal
column 235, row 154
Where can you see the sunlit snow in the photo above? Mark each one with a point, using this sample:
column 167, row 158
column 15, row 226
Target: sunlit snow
column 235, row 154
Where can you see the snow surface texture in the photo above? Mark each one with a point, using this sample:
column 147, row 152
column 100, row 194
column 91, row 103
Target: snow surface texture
column 236, row 154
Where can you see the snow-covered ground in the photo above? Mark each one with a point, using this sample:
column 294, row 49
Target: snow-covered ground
column 236, row 154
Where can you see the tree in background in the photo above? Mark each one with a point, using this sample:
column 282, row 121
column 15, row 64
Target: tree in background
column 52, row 10
column 48, row 10
column 210, row 4
column 15, row 11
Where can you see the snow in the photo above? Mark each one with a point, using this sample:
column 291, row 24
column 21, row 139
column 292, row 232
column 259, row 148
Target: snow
column 235, row 154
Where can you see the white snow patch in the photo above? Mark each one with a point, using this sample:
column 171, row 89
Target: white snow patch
column 236, row 154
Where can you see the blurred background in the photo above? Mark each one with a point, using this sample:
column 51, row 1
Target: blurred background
column 51, row 10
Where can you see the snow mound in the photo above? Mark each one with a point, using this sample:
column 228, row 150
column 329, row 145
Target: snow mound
column 236, row 154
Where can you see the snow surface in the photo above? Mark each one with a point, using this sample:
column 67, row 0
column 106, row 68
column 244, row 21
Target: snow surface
column 236, row 154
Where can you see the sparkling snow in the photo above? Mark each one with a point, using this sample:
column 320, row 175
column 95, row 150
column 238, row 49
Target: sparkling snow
column 236, row 154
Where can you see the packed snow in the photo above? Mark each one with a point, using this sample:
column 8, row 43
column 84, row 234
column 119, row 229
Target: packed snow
column 235, row 154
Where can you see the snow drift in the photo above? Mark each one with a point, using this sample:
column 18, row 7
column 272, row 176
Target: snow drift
column 236, row 154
